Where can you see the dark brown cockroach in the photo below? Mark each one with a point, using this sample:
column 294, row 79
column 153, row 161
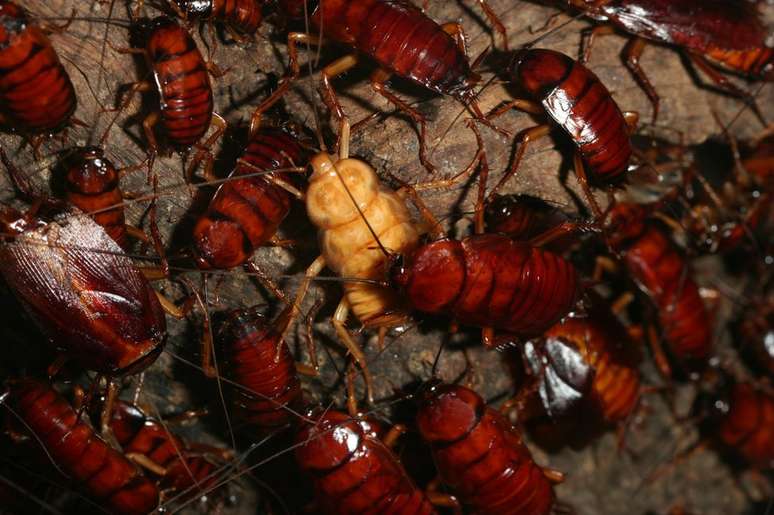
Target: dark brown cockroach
column 664, row 276
column 586, row 364
column 181, row 469
column 480, row 456
column 101, row 472
column 401, row 39
column 353, row 471
column 265, row 388
column 576, row 101
column 81, row 289
column 245, row 213
column 184, row 89
column 36, row 95
column 723, row 33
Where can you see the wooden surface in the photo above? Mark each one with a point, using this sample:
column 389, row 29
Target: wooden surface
column 599, row 479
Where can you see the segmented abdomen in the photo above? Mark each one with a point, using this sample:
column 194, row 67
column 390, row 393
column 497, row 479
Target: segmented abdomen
column 36, row 94
column 490, row 280
column 480, row 456
column 181, row 74
column 353, row 472
column 245, row 213
column 243, row 16
column 664, row 275
column 103, row 473
column 400, row 38
column 602, row 343
column 748, row 427
column 582, row 106
column 268, row 395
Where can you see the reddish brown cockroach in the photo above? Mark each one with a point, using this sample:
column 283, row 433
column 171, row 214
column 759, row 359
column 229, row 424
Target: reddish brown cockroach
column 266, row 392
column 184, row 89
column 524, row 217
column 480, row 456
column 401, row 39
column 241, row 17
column 586, row 364
column 353, row 471
column 36, row 95
column 75, row 449
column 183, row 470
column 746, row 424
column 664, row 275
column 726, row 33
column 576, row 101
column 245, row 213
column 489, row 281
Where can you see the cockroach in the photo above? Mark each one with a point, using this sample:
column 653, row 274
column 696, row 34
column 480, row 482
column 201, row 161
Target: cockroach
column 80, row 288
column 266, row 392
column 181, row 468
column 746, row 424
column 358, row 219
column 353, row 471
column 241, row 17
column 245, row 213
column 184, row 89
column 100, row 471
column 401, row 39
column 664, row 276
column 488, row 281
column 723, row 33
column 587, row 364
column 480, row 456
column 523, row 217
column 576, row 101
column 36, row 94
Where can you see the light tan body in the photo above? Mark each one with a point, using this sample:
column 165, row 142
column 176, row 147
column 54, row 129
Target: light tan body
column 348, row 246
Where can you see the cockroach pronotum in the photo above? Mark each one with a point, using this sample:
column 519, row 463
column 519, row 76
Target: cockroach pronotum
column 586, row 364
column 36, row 95
column 725, row 33
column 353, row 471
column 401, row 39
column 480, row 456
column 575, row 100
column 664, row 275
column 266, row 391
column 245, row 213
column 183, row 469
column 184, row 89
column 101, row 472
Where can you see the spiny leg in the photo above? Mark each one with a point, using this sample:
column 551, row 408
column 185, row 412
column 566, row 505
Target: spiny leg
column 204, row 152
column 338, row 321
column 338, row 67
column 527, row 137
column 253, row 268
column 580, row 173
column 588, row 37
column 632, row 53
column 378, row 79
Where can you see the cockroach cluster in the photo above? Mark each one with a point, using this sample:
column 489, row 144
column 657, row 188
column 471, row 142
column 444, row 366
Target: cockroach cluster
column 238, row 290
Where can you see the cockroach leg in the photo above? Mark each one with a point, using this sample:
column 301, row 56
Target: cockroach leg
column 563, row 229
column 722, row 82
column 204, row 152
column 256, row 271
column 294, row 39
column 146, row 463
column 395, row 432
column 554, row 476
column 336, row 68
column 497, row 25
column 56, row 366
column 603, row 264
column 588, row 37
column 632, row 118
column 434, row 227
column 632, row 53
column 147, row 126
column 580, row 173
column 111, row 393
column 338, row 320
column 659, row 356
column 442, row 499
column 527, row 137
column 378, row 79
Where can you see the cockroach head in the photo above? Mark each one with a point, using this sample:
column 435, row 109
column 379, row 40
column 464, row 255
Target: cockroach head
column 397, row 271
column 448, row 413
